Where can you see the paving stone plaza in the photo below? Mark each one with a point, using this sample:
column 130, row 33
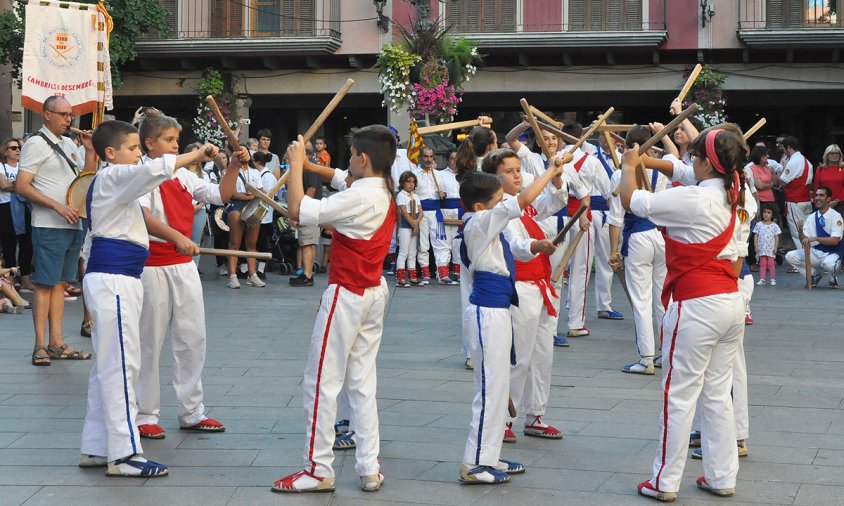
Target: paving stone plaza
column 256, row 354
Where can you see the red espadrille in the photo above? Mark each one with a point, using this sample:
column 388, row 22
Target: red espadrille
column 151, row 431
column 207, row 425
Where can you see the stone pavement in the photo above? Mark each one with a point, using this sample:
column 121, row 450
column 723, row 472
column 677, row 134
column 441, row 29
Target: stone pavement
column 256, row 343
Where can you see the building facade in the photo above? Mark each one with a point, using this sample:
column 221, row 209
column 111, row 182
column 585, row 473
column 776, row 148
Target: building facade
column 285, row 58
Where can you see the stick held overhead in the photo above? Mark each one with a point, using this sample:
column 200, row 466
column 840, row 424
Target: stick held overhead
column 689, row 82
column 755, row 128
column 674, row 123
column 335, row 101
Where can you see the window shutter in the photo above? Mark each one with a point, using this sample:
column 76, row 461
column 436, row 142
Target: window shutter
column 482, row 16
column 577, row 15
column 297, row 17
column 172, row 17
column 776, row 9
column 632, row 15
column 794, row 12
column 615, row 16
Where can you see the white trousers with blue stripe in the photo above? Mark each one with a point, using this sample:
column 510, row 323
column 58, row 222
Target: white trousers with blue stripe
column 115, row 303
column 489, row 336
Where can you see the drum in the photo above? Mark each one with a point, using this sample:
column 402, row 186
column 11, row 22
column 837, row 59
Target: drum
column 77, row 193
column 253, row 213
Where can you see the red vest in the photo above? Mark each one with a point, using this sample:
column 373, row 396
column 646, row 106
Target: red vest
column 538, row 270
column 797, row 191
column 693, row 269
column 574, row 204
column 356, row 264
column 178, row 207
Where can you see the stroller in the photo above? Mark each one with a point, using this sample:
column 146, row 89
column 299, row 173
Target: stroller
column 283, row 245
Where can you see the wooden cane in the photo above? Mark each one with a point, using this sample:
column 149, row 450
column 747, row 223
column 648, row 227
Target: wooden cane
column 562, row 235
column 558, row 272
column 235, row 253
column 688, row 86
column 536, row 130
column 759, row 124
column 445, row 127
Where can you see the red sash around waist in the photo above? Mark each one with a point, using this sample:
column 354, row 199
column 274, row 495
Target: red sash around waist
column 178, row 207
column 356, row 263
column 538, row 270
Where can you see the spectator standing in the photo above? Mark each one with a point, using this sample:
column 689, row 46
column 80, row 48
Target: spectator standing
column 767, row 241
column 796, row 179
column 265, row 138
column 15, row 216
column 322, row 154
column 831, row 174
column 308, row 234
column 48, row 165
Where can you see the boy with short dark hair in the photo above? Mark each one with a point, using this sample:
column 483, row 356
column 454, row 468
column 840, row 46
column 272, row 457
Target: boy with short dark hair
column 119, row 248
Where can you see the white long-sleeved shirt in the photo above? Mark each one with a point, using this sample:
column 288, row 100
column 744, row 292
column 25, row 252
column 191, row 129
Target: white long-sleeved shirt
column 200, row 189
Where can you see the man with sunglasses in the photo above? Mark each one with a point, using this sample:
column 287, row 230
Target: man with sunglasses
column 48, row 164
column 822, row 230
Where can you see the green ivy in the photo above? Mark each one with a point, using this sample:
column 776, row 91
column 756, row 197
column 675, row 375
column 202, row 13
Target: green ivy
column 132, row 20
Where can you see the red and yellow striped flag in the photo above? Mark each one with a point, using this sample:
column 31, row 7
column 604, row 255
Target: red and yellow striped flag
column 414, row 143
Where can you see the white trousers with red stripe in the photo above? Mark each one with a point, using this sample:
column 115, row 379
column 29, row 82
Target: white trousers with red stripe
column 533, row 328
column 644, row 271
column 579, row 271
column 700, row 340
column 343, row 349
column 603, row 271
column 110, row 429
column 489, row 337
column 173, row 303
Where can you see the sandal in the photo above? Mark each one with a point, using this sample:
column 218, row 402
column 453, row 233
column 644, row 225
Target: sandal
column 62, row 353
column 73, row 290
column 87, row 328
column 42, row 360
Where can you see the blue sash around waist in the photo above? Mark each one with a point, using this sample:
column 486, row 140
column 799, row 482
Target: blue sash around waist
column 493, row 290
column 434, row 205
column 633, row 224
column 598, row 203
column 745, row 270
column 562, row 213
column 116, row 256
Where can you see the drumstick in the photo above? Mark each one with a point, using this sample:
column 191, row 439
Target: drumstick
column 234, row 253
column 689, row 82
column 328, row 109
column 674, row 123
column 759, row 124
column 536, row 131
column 562, row 235
column 434, row 129
column 558, row 272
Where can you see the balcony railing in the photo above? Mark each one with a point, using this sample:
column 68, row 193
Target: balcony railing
column 218, row 19
column 555, row 16
column 790, row 14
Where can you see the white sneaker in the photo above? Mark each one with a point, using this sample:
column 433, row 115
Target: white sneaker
column 773, row 282
column 761, row 282
column 233, row 282
column 223, row 270
column 255, row 281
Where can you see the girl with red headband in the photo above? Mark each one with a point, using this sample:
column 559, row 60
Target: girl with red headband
column 704, row 318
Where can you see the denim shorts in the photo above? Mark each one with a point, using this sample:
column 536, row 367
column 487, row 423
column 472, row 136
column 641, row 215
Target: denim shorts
column 56, row 252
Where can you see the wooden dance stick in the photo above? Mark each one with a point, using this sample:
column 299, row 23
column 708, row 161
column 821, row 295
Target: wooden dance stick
column 569, row 138
column 266, row 199
column 623, row 142
column 667, row 129
column 611, row 145
column 536, row 130
column 619, row 274
column 562, row 235
column 589, row 131
column 689, row 82
column 614, row 128
column 807, row 255
column 558, row 272
column 453, row 223
column 445, row 127
column 328, row 109
column 511, row 408
column 759, row 124
column 234, row 253
column 221, row 120
column 546, row 118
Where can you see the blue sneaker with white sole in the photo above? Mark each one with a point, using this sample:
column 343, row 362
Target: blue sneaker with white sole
column 561, row 341
column 612, row 314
